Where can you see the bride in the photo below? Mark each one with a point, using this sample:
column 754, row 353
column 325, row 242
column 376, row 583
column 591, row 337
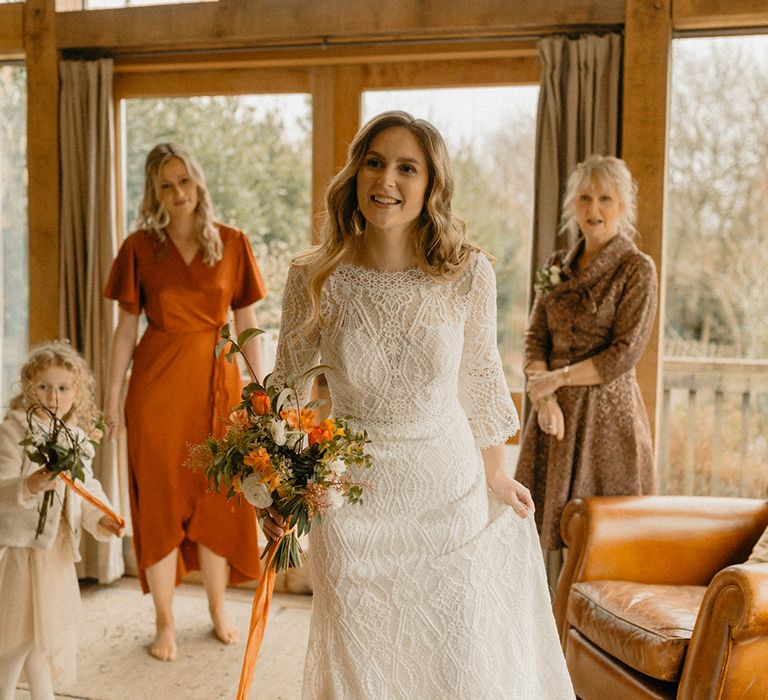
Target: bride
column 434, row 587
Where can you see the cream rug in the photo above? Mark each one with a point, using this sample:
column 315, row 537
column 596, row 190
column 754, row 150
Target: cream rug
column 113, row 662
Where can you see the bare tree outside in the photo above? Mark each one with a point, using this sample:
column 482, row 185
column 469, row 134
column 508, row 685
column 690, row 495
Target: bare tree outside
column 490, row 134
column 716, row 256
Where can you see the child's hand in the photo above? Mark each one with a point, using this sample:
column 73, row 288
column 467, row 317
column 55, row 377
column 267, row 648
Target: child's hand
column 41, row 480
column 106, row 524
column 111, row 418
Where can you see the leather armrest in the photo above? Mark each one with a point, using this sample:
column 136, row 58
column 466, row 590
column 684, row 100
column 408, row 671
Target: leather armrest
column 655, row 539
column 730, row 641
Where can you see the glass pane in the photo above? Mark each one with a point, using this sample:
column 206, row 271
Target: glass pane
column 715, row 368
column 490, row 134
column 14, row 285
column 256, row 153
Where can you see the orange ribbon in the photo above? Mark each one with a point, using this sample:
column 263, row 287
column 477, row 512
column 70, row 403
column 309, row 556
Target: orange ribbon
column 103, row 507
column 259, row 613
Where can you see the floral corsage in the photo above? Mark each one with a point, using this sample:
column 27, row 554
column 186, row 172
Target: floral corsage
column 547, row 278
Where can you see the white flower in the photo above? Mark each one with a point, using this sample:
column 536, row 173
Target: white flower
column 297, row 439
column 337, row 466
column 554, row 275
column 256, row 491
column 336, row 498
column 277, row 428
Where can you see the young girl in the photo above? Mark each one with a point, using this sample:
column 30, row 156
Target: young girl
column 39, row 594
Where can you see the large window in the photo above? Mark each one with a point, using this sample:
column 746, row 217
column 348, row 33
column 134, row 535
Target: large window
column 14, row 283
column 256, row 153
column 490, row 134
column 715, row 371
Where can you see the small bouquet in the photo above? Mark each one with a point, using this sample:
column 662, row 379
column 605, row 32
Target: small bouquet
column 547, row 278
column 276, row 453
column 60, row 449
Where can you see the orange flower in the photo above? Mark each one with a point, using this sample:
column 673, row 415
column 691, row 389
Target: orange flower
column 237, row 485
column 306, row 422
column 261, row 464
column 322, row 433
column 239, row 418
column 261, row 403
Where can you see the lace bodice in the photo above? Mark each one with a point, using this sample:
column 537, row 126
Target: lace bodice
column 427, row 589
column 404, row 349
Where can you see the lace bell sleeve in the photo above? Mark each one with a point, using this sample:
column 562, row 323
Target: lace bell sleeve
column 483, row 390
column 298, row 349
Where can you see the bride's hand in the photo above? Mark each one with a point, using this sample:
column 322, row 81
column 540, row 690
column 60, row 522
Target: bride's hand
column 514, row 494
column 272, row 523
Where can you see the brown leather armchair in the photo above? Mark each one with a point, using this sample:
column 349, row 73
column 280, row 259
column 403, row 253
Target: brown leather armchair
column 654, row 602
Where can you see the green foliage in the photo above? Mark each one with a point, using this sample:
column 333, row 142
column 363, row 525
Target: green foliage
column 258, row 172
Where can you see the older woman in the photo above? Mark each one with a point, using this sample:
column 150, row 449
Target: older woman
column 588, row 434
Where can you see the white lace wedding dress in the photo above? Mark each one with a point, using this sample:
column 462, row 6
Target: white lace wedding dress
column 431, row 589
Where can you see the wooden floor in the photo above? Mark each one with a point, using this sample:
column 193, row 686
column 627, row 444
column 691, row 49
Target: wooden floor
column 113, row 662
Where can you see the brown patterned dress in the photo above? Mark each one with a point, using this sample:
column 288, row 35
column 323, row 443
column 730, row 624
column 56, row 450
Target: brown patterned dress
column 604, row 312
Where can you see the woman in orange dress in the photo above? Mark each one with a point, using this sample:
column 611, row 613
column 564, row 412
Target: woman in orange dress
column 185, row 272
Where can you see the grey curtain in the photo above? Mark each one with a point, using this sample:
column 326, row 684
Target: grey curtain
column 88, row 245
column 578, row 115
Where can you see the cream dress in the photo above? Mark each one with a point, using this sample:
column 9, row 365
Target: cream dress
column 431, row 589
column 39, row 591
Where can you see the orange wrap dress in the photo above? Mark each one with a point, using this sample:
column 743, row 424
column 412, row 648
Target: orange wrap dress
column 179, row 394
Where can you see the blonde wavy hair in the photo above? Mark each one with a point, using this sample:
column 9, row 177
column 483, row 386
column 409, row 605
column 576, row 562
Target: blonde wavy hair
column 440, row 235
column 153, row 216
column 59, row 353
column 608, row 172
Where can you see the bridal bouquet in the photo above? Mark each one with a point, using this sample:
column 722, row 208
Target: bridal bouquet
column 276, row 453
column 61, row 449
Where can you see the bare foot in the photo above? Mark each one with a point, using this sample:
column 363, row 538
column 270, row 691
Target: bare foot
column 164, row 646
column 222, row 627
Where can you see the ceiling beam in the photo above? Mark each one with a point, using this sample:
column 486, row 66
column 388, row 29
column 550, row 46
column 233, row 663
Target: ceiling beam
column 12, row 30
column 242, row 23
column 713, row 15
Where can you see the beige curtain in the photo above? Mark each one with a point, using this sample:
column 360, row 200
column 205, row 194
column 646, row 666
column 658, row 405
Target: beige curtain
column 88, row 245
column 578, row 115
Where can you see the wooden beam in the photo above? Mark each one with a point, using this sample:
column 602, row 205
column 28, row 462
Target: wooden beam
column 12, row 30
column 210, row 82
column 433, row 74
column 43, row 166
column 336, row 96
column 271, row 57
column 648, row 36
column 229, row 23
column 716, row 14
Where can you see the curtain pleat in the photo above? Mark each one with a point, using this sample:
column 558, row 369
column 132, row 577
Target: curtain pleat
column 88, row 246
column 578, row 115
